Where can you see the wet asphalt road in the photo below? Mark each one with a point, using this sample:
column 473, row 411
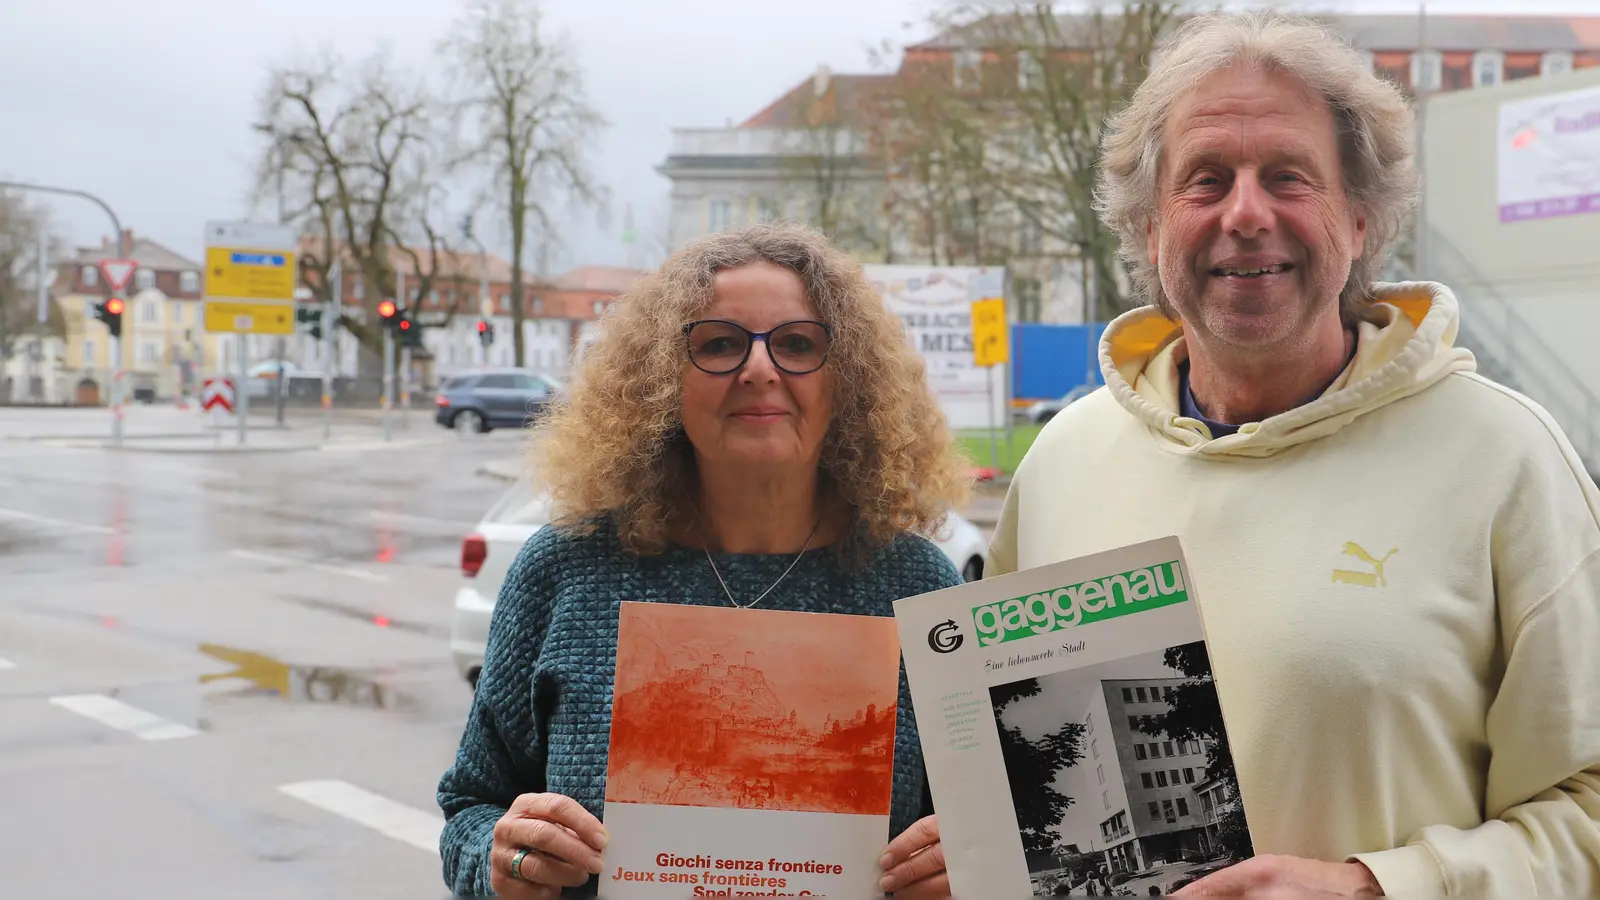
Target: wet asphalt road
column 227, row 675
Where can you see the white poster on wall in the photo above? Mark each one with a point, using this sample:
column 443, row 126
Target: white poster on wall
column 1549, row 155
column 935, row 302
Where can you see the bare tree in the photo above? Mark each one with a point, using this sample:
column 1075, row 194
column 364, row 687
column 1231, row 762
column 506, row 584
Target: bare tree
column 831, row 163
column 20, row 225
column 352, row 156
column 521, row 95
column 1050, row 81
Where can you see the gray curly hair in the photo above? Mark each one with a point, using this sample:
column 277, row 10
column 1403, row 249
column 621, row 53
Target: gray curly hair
column 1371, row 115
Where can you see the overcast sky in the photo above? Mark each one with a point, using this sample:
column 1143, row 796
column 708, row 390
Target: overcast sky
column 148, row 104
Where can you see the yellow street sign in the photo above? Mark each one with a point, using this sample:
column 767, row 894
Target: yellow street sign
column 242, row 317
column 991, row 339
column 243, row 273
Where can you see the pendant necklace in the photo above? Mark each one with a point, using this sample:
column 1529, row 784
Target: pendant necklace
column 769, row 590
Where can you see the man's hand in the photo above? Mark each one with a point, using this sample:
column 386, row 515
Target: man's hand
column 1286, row 876
column 913, row 863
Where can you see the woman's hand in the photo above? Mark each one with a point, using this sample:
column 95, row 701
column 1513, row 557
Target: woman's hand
column 563, row 843
column 913, row 863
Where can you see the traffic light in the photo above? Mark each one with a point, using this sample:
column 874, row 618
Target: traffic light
column 485, row 333
column 389, row 314
column 312, row 315
column 410, row 331
column 110, row 312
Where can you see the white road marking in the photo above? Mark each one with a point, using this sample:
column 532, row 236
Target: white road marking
column 346, row 571
column 6, row 513
column 114, row 713
column 6, row 664
column 406, row 824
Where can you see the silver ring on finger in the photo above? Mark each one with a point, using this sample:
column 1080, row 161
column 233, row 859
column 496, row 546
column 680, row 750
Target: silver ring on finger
column 516, row 865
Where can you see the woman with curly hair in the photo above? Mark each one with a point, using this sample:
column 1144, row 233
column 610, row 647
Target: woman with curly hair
column 751, row 427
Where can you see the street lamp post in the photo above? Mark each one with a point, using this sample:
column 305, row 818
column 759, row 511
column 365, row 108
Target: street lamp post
column 123, row 249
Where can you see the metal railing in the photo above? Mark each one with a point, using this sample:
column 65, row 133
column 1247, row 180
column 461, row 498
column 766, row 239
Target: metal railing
column 1510, row 351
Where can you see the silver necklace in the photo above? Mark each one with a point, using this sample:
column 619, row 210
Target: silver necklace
column 795, row 562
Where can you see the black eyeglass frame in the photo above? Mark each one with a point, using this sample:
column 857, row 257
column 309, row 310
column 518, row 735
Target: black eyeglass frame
column 750, row 344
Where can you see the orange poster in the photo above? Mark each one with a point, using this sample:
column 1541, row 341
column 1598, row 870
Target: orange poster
column 751, row 745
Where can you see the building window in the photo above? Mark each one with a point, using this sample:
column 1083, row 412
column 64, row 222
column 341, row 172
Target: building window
column 1030, row 71
column 144, row 279
column 1161, row 779
column 1106, row 797
column 1155, row 811
column 149, row 313
column 1030, row 237
column 1183, row 807
column 1488, row 68
column 1148, row 780
column 1127, row 695
column 1427, row 70
column 1166, row 693
column 1176, row 776
column 1188, row 776
column 538, row 304
column 1167, row 747
column 189, row 282
column 1556, row 62
column 88, row 353
column 1101, row 771
column 719, row 214
column 1142, row 697
column 967, row 65
column 1138, row 751
column 1133, row 722
column 89, row 275
column 149, row 354
column 599, row 307
column 768, row 210
column 1088, row 724
column 1155, row 751
column 1166, row 807
column 1094, row 747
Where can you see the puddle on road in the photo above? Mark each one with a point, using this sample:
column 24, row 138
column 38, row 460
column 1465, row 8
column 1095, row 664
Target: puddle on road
column 304, row 684
column 366, row 615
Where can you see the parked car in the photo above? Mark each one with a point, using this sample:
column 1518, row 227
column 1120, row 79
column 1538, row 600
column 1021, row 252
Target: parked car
column 1045, row 410
column 492, row 398
column 487, row 553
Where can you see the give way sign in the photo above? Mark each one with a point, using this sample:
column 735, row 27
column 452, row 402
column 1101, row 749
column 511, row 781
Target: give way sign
column 216, row 396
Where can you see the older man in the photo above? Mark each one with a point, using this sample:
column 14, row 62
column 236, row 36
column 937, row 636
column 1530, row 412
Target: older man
column 1398, row 560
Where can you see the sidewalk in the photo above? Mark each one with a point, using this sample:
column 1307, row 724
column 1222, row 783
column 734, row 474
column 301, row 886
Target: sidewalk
column 165, row 429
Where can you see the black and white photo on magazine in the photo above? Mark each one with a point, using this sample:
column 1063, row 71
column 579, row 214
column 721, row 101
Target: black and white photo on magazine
column 1121, row 776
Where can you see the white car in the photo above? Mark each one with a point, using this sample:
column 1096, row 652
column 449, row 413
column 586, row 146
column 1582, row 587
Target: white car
column 486, row 555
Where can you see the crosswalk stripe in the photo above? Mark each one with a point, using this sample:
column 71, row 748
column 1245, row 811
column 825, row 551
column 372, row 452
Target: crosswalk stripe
column 113, row 713
column 406, row 824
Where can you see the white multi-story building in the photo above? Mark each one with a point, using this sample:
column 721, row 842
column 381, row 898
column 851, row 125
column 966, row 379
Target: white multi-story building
column 1139, row 800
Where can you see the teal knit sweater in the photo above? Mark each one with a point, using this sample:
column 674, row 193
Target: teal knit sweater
column 541, row 716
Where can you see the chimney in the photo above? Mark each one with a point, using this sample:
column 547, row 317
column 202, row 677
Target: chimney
column 820, row 81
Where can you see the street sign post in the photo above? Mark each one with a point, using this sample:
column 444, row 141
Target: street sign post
column 118, row 273
column 251, row 270
column 991, row 344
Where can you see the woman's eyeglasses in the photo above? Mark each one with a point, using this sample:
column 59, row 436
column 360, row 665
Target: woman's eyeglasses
column 720, row 347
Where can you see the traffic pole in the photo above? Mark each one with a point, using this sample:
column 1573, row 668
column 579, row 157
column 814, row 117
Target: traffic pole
column 388, row 382
column 330, row 321
column 242, row 391
column 405, row 388
column 116, row 391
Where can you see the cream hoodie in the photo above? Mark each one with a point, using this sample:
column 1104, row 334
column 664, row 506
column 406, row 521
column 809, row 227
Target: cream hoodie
column 1400, row 583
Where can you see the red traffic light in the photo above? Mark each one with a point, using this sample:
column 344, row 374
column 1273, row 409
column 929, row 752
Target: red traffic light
column 114, row 306
column 386, row 309
column 405, row 324
column 482, row 326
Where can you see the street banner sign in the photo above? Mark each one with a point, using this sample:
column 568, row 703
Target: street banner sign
column 990, row 342
column 249, row 318
column 216, row 397
column 118, row 273
column 251, row 274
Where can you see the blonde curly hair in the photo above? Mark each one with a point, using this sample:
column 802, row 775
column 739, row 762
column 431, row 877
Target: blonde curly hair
column 614, row 447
